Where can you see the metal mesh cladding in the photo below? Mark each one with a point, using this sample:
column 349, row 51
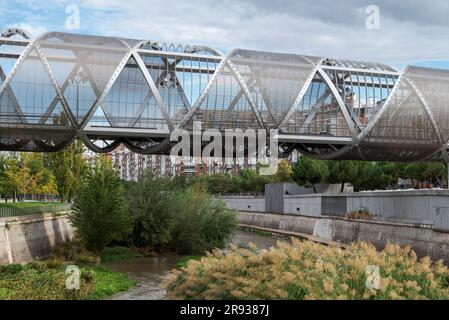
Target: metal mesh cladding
column 109, row 91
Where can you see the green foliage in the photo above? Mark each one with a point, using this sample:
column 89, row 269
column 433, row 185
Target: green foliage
column 118, row 253
column 100, row 214
column 200, row 223
column 165, row 216
column 25, row 173
column 148, row 202
column 284, row 172
column 308, row 172
column 342, row 172
column 47, row 281
column 68, row 166
column 220, row 184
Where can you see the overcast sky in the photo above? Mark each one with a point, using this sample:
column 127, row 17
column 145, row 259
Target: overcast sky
column 414, row 32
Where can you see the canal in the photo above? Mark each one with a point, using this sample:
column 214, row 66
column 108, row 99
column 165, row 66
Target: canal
column 150, row 272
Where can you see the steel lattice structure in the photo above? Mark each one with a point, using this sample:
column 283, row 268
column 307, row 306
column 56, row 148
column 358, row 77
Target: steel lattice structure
column 107, row 91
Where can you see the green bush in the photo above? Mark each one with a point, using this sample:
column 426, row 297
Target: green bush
column 220, row 184
column 165, row 216
column 37, row 281
column 100, row 213
column 148, row 203
column 201, row 223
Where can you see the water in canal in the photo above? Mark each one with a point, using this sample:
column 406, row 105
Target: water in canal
column 150, row 272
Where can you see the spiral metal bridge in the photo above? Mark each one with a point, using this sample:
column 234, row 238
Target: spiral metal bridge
column 111, row 91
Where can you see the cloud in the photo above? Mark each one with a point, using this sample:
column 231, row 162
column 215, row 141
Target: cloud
column 410, row 30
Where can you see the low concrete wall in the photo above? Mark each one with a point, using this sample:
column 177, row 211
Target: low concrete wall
column 309, row 205
column 25, row 238
column 245, row 203
column 425, row 241
column 425, row 207
column 413, row 206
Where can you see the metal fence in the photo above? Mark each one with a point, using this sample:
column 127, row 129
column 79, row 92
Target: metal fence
column 14, row 212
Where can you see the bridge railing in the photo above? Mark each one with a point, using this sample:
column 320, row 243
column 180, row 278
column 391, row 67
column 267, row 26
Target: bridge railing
column 15, row 212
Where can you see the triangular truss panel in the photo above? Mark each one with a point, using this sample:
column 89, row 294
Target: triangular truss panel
column 278, row 81
column 79, row 92
column 363, row 92
column 225, row 106
column 99, row 119
column 128, row 96
column 10, row 111
column 100, row 55
column 319, row 112
column 33, row 88
column 170, row 84
column 433, row 84
column 404, row 121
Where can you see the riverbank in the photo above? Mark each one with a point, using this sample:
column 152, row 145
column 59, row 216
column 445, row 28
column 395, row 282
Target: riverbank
column 47, row 281
column 152, row 272
column 305, row 270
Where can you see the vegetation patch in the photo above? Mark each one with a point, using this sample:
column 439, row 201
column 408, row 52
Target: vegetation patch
column 29, row 204
column 47, row 281
column 359, row 215
column 182, row 263
column 307, row 270
column 119, row 253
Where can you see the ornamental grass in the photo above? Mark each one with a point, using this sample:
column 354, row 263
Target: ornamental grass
column 307, row 270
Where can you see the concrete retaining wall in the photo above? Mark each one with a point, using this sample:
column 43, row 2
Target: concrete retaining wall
column 309, row 205
column 425, row 241
column 425, row 207
column 245, row 203
column 25, row 238
column 415, row 206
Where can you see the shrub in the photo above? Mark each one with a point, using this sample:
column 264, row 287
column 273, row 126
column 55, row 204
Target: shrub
column 149, row 211
column 358, row 215
column 201, row 223
column 188, row 220
column 307, row 270
column 100, row 213
column 220, row 184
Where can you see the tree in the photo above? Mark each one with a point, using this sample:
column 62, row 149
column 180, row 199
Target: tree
column 100, row 212
column 364, row 173
column 219, row 184
column 149, row 211
column 68, row 167
column 251, row 181
column 415, row 172
column 284, row 172
column 41, row 179
column 435, row 170
column 308, row 172
column 342, row 172
column 18, row 176
column 6, row 188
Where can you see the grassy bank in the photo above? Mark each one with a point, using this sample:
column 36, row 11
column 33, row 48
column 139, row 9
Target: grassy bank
column 306, row 270
column 28, row 204
column 40, row 281
column 46, row 279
